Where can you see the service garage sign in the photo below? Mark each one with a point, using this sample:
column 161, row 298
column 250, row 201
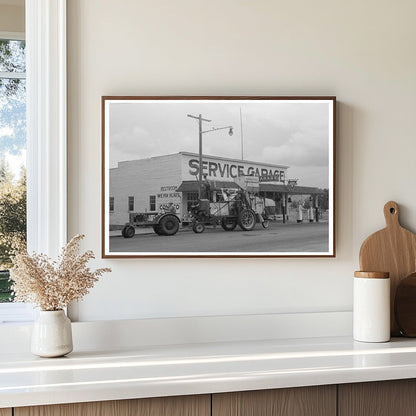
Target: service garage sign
column 229, row 169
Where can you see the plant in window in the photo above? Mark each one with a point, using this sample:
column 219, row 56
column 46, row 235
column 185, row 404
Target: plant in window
column 53, row 285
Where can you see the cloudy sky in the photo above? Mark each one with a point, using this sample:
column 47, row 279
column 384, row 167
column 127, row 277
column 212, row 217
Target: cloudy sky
column 290, row 133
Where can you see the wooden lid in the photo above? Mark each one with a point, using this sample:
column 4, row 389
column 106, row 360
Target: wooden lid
column 372, row 275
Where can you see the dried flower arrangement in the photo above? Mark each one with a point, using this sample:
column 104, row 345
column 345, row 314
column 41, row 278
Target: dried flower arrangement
column 52, row 285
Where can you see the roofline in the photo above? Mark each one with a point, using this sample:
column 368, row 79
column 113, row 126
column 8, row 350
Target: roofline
column 204, row 155
column 236, row 160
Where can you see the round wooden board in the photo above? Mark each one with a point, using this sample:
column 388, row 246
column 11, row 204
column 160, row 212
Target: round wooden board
column 405, row 306
column 392, row 250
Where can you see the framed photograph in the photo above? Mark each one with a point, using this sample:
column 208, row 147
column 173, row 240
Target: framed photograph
column 218, row 176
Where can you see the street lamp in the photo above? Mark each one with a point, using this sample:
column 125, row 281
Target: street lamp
column 201, row 132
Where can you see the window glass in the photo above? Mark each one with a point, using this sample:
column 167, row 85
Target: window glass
column 111, row 203
column 131, row 203
column 152, row 202
column 12, row 156
column 12, row 55
column 192, row 199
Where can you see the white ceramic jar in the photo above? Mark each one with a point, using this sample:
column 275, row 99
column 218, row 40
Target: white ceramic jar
column 371, row 308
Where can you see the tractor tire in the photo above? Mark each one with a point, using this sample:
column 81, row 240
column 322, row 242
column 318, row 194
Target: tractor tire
column 128, row 231
column 247, row 219
column 198, row 228
column 228, row 224
column 168, row 225
column 265, row 224
column 156, row 229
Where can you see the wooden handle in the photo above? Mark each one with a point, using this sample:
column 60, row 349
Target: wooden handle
column 391, row 214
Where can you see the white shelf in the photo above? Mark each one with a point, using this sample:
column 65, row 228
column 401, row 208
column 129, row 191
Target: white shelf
column 168, row 370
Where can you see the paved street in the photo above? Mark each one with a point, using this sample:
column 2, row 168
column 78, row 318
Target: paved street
column 303, row 237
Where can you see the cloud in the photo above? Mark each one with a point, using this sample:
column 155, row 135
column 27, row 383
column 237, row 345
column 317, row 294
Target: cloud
column 282, row 132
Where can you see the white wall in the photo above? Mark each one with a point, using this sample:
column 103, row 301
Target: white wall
column 361, row 51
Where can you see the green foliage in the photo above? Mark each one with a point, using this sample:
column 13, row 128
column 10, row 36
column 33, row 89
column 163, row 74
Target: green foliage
column 12, row 214
column 5, row 290
column 12, row 142
column 12, row 55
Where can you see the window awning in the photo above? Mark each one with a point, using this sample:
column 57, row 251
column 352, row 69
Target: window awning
column 297, row 190
column 193, row 186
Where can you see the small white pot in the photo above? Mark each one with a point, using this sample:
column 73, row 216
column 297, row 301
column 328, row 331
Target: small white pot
column 52, row 334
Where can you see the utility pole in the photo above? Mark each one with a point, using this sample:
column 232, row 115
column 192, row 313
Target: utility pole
column 241, row 135
column 200, row 120
column 201, row 132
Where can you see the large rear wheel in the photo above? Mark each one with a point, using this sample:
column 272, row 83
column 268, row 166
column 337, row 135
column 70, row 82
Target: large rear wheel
column 156, row 229
column 168, row 225
column 247, row 220
column 265, row 224
column 228, row 224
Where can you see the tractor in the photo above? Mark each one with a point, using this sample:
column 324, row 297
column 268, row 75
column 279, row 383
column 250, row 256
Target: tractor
column 232, row 207
column 165, row 222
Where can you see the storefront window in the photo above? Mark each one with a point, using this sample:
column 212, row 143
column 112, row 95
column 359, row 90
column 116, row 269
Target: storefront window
column 192, row 198
column 131, row 203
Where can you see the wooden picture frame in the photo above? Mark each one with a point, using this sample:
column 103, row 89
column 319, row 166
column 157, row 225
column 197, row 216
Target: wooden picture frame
column 266, row 188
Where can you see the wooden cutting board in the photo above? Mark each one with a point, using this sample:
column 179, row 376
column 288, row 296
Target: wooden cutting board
column 393, row 250
column 405, row 306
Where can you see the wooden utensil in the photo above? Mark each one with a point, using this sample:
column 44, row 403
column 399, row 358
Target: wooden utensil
column 405, row 306
column 393, row 250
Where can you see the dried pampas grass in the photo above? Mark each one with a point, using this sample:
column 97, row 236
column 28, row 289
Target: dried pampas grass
column 53, row 285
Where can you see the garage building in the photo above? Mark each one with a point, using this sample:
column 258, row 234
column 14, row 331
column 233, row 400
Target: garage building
column 171, row 182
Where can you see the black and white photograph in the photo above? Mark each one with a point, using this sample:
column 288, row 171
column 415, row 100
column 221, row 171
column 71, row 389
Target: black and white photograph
column 218, row 176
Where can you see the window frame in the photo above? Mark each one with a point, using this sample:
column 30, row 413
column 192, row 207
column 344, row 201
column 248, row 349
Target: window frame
column 152, row 203
column 46, row 125
column 130, row 203
column 46, row 121
column 17, row 312
column 12, row 35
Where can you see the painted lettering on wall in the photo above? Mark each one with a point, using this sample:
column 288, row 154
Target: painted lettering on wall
column 169, row 206
column 231, row 170
column 165, row 194
column 168, row 188
column 168, row 199
column 169, row 195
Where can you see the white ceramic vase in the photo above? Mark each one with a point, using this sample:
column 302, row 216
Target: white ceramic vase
column 52, row 334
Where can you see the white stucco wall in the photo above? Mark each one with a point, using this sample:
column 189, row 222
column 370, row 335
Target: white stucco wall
column 140, row 179
column 361, row 51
